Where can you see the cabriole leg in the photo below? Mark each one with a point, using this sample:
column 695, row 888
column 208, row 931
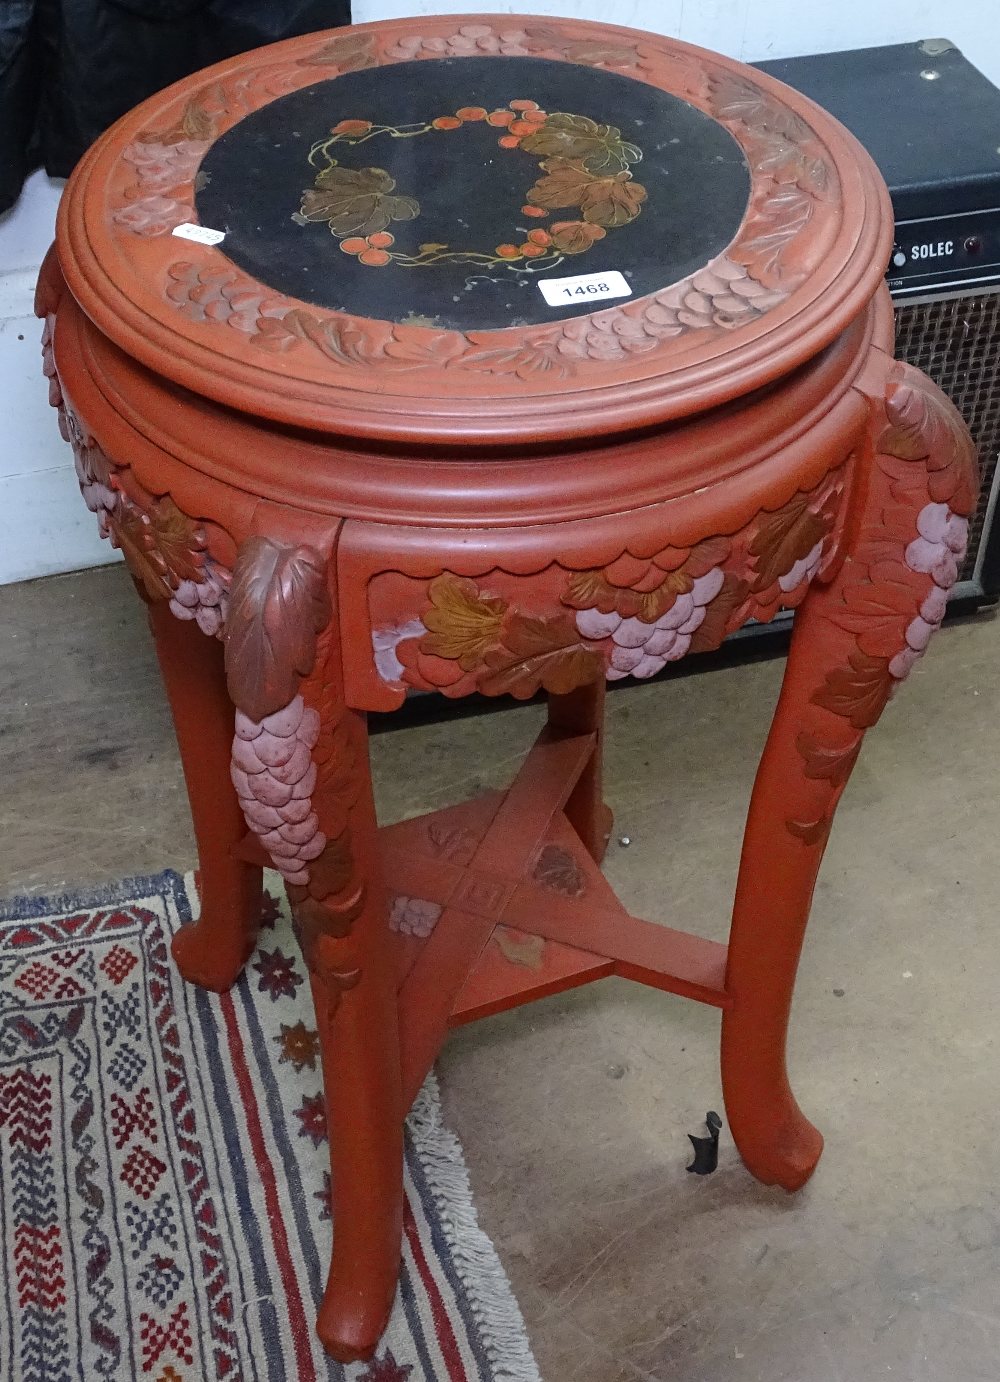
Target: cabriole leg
column 213, row 950
column 854, row 642
column 300, row 766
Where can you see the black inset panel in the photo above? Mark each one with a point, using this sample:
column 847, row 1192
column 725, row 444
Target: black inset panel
column 460, row 192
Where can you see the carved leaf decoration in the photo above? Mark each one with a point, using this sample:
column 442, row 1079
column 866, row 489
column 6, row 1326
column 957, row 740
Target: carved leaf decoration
column 100, row 467
column 350, row 52
column 911, row 428
column 773, row 228
column 278, row 604
column 785, row 537
column 556, row 868
column 592, row 53
column 462, row 623
column 180, row 541
column 540, row 653
column 339, row 338
column 131, row 533
column 878, row 613
column 651, row 595
column 336, row 781
column 719, row 615
column 453, row 842
column 957, row 480
column 599, row 54
column 423, row 347
column 195, row 123
column 713, row 551
column 783, row 160
column 599, row 148
column 356, row 201
column 520, row 949
column 648, row 601
column 814, row 174
column 652, row 605
column 826, row 764
column 331, row 873
column 277, row 333
column 538, row 354
column 590, row 589
column 925, row 426
column 859, row 692
column 736, row 98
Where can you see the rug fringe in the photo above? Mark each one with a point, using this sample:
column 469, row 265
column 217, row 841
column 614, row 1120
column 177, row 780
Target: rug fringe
column 489, row 1291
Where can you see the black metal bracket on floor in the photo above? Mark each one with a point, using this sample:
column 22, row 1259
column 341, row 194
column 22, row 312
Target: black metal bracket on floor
column 706, row 1149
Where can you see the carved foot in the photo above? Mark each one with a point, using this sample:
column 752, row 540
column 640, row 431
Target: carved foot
column 776, row 1141
column 203, row 960
column 350, row 1324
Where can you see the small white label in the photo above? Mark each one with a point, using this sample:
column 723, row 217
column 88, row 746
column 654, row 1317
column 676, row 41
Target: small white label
column 562, row 292
column 204, row 236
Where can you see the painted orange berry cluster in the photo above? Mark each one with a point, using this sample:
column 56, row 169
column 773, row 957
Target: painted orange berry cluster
column 586, row 167
column 522, row 118
column 370, row 249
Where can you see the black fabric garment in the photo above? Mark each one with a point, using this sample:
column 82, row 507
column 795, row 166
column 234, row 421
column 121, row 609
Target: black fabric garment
column 70, row 68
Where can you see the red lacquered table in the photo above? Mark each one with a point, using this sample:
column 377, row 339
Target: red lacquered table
column 521, row 354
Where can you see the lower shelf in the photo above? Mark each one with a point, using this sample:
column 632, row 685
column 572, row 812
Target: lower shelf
column 496, row 902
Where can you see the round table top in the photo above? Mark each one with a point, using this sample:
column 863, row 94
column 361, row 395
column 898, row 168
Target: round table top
column 483, row 231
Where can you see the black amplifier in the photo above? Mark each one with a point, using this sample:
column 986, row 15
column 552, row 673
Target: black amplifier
column 931, row 121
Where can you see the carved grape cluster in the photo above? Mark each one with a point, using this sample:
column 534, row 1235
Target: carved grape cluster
column 274, row 777
column 722, row 295
column 468, row 41
column 539, row 40
column 155, row 215
column 413, row 916
column 94, row 471
column 221, row 295
column 49, row 370
column 165, row 168
column 641, row 649
column 162, row 195
column 206, row 601
column 938, row 552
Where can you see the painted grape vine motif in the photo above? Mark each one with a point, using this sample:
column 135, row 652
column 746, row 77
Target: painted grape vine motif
column 586, row 169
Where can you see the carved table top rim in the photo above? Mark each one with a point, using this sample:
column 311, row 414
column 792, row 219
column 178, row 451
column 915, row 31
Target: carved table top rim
column 516, row 494
column 437, row 404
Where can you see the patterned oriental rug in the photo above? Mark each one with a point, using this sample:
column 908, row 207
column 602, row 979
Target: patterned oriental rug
column 164, row 1177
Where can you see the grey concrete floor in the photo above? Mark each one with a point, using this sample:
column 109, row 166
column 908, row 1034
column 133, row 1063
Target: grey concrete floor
column 574, row 1112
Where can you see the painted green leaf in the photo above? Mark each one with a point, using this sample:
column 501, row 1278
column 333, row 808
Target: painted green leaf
column 356, row 201
column 612, row 201
column 600, row 147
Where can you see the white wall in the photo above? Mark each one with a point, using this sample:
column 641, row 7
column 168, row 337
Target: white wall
column 757, row 29
column 44, row 527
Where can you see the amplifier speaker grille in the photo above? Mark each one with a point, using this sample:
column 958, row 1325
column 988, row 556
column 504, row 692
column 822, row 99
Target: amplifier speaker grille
column 957, row 342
